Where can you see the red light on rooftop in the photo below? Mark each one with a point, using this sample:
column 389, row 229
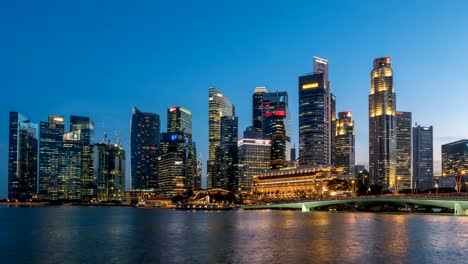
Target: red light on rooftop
column 172, row 109
column 388, row 59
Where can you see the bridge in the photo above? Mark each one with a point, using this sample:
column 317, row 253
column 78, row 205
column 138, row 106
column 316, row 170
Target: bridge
column 458, row 204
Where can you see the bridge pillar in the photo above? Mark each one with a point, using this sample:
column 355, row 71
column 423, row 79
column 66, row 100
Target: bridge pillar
column 305, row 208
column 459, row 210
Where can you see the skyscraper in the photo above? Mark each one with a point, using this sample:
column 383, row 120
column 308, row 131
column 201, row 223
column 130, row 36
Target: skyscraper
column 254, row 159
column 51, row 139
column 144, row 148
column 110, row 172
column 227, row 157
column 344, row 146
column 382, row 131
column 315, row 115
column 423, row 165
column 179, row 119
column 218, row 106
column 70, row 166
column 403, row 150
column 257, row 111
column 332, row 129
column 454, row 161
column 22, row 157
column 86, row 126
column 276, row 127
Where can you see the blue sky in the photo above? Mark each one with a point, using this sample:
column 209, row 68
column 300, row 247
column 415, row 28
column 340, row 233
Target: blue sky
column 100, row 58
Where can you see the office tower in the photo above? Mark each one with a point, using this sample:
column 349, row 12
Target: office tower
column 70, row 166
column 85, row 126
column 218, row 106
column 293, row 153
column 110, row 172
column 172, row 173
column 197, row 181
column 144, row 148
column 403, row 150
column 276, row 127
column 257, row 111
column 454, row 165
column 227, row 156
column 51, row 138
column 22, row 157
column 254, row 159
column 344, row 145
column 423, row 166
column 179, row 119
column 382, row 132
column 332, row 129
column 315, row 115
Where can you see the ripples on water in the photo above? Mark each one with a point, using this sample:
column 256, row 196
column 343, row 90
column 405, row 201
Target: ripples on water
column 128, row 235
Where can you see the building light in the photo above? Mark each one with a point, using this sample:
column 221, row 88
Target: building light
column 309, row 86
column 173, row 109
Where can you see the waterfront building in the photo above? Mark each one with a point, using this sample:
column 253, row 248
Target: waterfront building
column 382, row 131
column 86, row 127
column 403, row 150
column 197, row 181
column 179, row 119
column 276, row 127
column 22, row 157
column 227, row 156
column 315, row 114
column 454, row 161
column 257, row 112
column 70, row 166
column 218, row 106
column 332, row 130
column 344, row 145
column 51, row 138
column 144, row 148
column 423, row 164
column 172, row 173
column 110, row 172
column 254, row 159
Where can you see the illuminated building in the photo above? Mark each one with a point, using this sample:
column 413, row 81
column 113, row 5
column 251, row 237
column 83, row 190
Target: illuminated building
column 423, row 165
column 172, row 173
column 454, row 161
column 227, row 156
column 291, row 183
column 403, row 150
column 110, row 172
column 218, row 106
column 382, row 131
column 144, row 148
column 257, row 112
column 70, row 166
column 315, row 114
column 51, row 138
column 344, row 145
column 276, row 127
column 22, row 157
column 197, row 181
column 179, row 119
column 254, row 159
column 86, row 126
column 332, row 129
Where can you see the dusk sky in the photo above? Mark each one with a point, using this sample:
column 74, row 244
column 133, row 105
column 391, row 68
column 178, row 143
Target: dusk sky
column 101, row 58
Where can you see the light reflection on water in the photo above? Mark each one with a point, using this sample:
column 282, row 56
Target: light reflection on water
column 128, row 235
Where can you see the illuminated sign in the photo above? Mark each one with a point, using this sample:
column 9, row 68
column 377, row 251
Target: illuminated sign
column 348, row 114
column 58, row 119
column 178, row 163
column 388, row 59
column 172, row 109
column 280, row 113
column 75, row 136
column 309, row 86
column 174, row 137
column 268, row 113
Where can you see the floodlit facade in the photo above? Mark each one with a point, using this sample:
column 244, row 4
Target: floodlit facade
column 382, row 125
column 344, row 146
column 254, row 159
column 423, row 163
column 403, row 150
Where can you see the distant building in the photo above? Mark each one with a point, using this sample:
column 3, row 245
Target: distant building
column 382, row 125
column 423, row 164
column 344, row 146
column 454, row 161
column 110, row 172
column 22, row 157
column 179, row 119
column 144, row 148
column 277, row 127
column 403, row 150
column 315, row 114
column 70, row 166
column 293, row 153
column 51, row 139
column 228, row 156
column 172, row 174
column 257, row 112
column 254, row 159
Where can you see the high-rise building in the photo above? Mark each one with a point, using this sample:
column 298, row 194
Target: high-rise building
column 179, row 119
column 276, row 127
column 86, row 126
column 22, row 157
column 172, row 173
column 110, row 172
column 144, row 148
column 423, row 165
column 315, row 116
column 293, row 153
column 257, row 111
column 454, row 161
column 382, row 131
column 227, row 157
column 332, row 129
column 344, row 145
column 70, row 166
column 51, row 139
column 197, row 181
column 218, row 106
column 403, row 150
column 254, row 159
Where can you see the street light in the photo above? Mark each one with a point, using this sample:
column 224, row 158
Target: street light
column 437, row 189
column 397, row 183
column 352, row 182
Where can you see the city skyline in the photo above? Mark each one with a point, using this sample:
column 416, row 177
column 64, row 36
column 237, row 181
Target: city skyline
column 416, row 79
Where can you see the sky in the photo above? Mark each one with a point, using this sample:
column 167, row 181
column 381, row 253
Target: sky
column 101, row 58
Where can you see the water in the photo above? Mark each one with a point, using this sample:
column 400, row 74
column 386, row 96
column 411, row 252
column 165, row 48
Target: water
column 129, row 235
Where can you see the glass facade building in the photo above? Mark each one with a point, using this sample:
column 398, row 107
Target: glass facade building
column 144, row 148
column 403, row 150
column 344, row 146
column 257, row 112
column 254, row 159
column 227, row 157
column 179, row 119
column 455, row 161
column 22, row 157
column 110, row 172
column 382, row 125
column 423, row 164
column 70, row 166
